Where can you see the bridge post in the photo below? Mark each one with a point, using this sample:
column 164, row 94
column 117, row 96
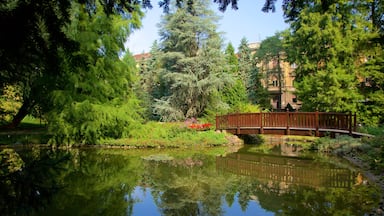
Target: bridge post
column 287, row 132
column 350, row 123
column 317, row 122
column 261, row 123
column 217, row 122
column 238, row 123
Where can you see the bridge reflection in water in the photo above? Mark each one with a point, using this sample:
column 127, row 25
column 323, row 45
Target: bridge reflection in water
column 286, row 171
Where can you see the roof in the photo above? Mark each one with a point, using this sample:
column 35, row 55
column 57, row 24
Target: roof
column 143, row 56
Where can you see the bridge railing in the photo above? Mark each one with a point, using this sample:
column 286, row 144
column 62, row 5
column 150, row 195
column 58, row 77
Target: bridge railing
column 287, row 120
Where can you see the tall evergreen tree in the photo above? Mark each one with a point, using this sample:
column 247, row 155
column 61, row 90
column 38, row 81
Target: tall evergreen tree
column 95, row 101
column 234, row 95
column 245, row 61
column 192, row 61
column 232, row 58
column 324, row 43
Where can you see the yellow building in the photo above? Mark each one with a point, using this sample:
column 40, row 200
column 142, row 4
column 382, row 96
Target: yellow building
column 278, row 79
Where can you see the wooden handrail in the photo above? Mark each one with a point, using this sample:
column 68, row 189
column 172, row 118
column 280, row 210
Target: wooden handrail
column 314, row 121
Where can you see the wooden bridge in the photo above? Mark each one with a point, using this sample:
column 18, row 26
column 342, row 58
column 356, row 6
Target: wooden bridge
column 289, row 123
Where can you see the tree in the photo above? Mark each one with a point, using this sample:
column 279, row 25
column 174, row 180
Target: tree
column 234, row 95
column 372, row 87
column 324, row 43
column 245, row 61
column 271, row 51
column 257, row 93
column 95, row 101
column 192, row 62
column 32, row 43
column 32, row 39
column 232, row 58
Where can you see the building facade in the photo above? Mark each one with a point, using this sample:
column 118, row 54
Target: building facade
column 278, row 78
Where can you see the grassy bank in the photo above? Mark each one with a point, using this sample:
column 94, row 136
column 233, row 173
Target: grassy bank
column 149, row 135
column 171, row 135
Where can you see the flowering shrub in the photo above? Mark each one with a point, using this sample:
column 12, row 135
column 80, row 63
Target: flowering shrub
column 205, row 126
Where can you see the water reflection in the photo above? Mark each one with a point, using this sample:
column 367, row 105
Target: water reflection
column 285, row 171
column 188, row 182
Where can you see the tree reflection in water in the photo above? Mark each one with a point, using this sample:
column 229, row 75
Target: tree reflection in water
column 28, row 183
column 109, row 182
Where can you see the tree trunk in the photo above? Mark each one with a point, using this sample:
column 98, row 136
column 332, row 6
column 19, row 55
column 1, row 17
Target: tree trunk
column 24, row 110
column 281, row 81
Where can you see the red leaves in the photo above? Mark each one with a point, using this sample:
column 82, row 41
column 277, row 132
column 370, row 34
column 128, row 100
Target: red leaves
column 204, row 126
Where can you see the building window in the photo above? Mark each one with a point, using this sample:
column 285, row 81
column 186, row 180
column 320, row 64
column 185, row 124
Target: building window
column 275, row 83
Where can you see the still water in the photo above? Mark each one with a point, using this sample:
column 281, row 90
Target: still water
column 214, row 181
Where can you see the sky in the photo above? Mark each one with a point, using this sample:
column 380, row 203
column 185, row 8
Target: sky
column 248, row 21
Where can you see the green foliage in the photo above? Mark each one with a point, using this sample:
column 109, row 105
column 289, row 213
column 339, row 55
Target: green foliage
column 151, row 79
column 246, row 62
column 232, row 59
column 257, row 94
column 339, row 145
column 37, row 54
column 88, row 123
column 374, row 156
column 233, row 94
column 95, row 102
column 326, row 42
column 374, row 130
column 332, row 90
column 175, row 135
column 192, row 63
column 10, row 103
column 10, row 162
column 371, row 112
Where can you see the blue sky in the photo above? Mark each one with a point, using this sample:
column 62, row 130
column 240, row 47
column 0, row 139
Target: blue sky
column 248, row 21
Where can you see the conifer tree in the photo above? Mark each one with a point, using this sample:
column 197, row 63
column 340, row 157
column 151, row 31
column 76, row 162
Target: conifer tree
column 324, row 43
column 234, row 95
column 245, row 61
column 192, row 61
column 95, row 101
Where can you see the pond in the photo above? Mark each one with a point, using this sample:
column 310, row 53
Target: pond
column 214, row 181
